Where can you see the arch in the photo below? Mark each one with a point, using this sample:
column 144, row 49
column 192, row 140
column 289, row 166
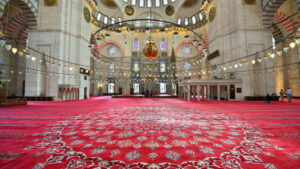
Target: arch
column 269, row 9
column 98, row 48
column 189, row 42
column 14, row 28
column 288, row 26
column 29, row 7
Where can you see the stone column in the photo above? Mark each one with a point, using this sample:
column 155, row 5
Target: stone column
column 194, row 93
column 208, row 92
column 219, row 92
column 189, row 93
column 184, row 93
column 198, row 92
column 228, row 92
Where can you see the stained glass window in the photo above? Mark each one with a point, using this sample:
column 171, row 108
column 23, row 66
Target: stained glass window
column 111, row 66
column 187, row 50
column 163, row 44
column 136, row 45
column 136, row 67
column 111, row 50
column 162, row 66
column 187, row 66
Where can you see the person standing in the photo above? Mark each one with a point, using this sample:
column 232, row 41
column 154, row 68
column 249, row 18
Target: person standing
column 289, row 94
column 281, row 93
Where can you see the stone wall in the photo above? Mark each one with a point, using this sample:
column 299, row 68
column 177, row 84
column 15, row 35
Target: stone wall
column 62, row 33
column 237, row 31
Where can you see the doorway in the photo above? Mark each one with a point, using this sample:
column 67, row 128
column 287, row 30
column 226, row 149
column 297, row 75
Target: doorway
column 85, row 93
column 232, row 92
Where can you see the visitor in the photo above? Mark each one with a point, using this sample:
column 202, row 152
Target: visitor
column 268, row 98
column 281, row 93
column 289, row 96
column 147, row 93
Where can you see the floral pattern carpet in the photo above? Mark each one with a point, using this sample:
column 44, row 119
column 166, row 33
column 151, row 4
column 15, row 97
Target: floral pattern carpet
column 150, row 133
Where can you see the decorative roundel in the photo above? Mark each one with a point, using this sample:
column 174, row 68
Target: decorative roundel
column 250, row 2
column 170, row 10
column 129, row 10
column 87, row 14
column 212, row 13
column 50, row 2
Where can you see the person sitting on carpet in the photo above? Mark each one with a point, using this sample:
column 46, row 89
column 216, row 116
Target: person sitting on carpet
column 268, row 98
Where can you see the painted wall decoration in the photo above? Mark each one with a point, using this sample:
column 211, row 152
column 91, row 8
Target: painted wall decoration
column 98, row 48
column 50, row 2
column 204, row 45
column 129, row 10
column 212, row 13
column 87, row 14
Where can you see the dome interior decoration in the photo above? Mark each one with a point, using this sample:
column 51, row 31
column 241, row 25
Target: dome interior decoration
column 190, row 3
column 110, row 3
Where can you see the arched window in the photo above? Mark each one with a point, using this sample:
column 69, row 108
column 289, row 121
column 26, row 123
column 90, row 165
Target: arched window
column 194, row 20
column 136, row 45
column 113, row 20
column 105, row 20
column 165, row 2
column 179, row 21
column 133, row 2
column 200, row 17
column 157, row 3
column 98, row 17
column 187, row 66
column 186, row 21
column 163, row 44
column 142, row 3
column 149, row 4
column 273, row 42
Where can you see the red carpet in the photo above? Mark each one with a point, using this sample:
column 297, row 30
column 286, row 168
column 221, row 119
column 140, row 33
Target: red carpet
column 150, row 133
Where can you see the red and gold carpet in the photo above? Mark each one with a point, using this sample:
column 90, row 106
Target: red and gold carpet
column 150, row 133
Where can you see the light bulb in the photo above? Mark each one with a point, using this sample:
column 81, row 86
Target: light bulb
column 27, row 56
column 21, row 54
column 2, row 42
column 236, row 65
column 8, row 47
column 14, row 50
column 33, row 58
column 292, row 45
column 286, row 49
column 272, row 55
column 279, row 52
column 253, row 61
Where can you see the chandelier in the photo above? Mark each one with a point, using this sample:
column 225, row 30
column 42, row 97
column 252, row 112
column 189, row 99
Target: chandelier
column 150, row 50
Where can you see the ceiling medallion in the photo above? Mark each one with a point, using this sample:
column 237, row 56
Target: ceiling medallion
column 212, row 13
column 129, row 10
column 170, row 10
column 150, row 50
column 87, row 14
column 250, row 2
column 50, row 2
